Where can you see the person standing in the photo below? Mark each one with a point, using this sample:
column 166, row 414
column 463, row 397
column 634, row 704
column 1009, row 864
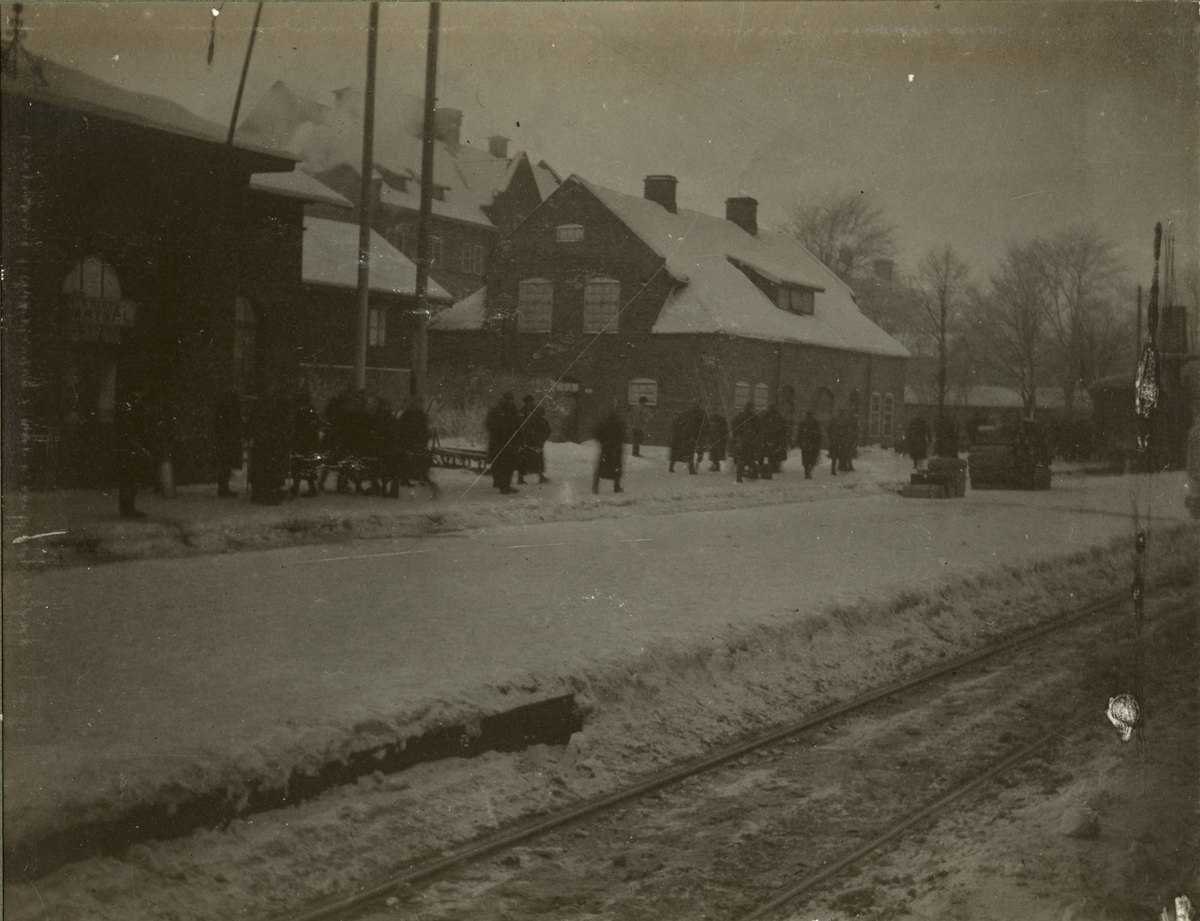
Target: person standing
column 916, row 440
column 945, row 436
column 774, row 429
column 611, row 435
column 685, row 437
column 639, row 417
column 535, row 431
column 810, row 443
column 716, row 437
column 228, row 449
column 306, row 446
column 523, row 458
column 270, row 449
column 413, row 436
column 131, row 451
column 503, row 423
column 836, row 449
column 746, row 449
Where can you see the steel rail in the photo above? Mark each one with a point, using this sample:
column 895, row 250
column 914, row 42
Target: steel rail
column 498, row 842
column 898, row 829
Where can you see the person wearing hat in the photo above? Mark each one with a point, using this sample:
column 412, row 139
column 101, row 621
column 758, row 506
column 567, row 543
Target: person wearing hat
column 503, row 426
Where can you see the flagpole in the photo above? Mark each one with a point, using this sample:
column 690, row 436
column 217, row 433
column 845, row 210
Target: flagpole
column 366, row 203
column 420, row 347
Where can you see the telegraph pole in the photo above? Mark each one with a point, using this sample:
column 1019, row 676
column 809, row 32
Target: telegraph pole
column 420, row 348
column 366, row 205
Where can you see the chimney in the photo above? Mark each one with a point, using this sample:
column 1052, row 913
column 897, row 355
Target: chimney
column 447, row 123
column 744, row 213
column 498, row 146
column 661, row 189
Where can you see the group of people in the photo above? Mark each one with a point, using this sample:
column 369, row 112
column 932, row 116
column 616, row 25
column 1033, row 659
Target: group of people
column 362, row 442
column 516, row 441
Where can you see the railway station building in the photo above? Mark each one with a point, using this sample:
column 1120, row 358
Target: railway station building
column 603, row 296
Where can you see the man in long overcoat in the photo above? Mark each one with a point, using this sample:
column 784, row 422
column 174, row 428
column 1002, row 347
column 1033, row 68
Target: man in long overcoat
column 916, row 440
column 535, row 432
column 611, row 434
column 413, row 434
column 716, row 438
column 503, row 423
column 685, row 437
column 809, row 436
column 746, row 444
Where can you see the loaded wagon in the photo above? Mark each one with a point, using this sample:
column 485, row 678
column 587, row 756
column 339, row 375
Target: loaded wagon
column 1009, row 456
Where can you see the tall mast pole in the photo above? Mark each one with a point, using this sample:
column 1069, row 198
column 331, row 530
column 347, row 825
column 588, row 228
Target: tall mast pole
column 420, row 348
column 237, row 103
column 366, row 205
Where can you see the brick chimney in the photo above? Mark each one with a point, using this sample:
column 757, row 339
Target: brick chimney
column 744, row 213
column 661, row 189
column 498, row 146
column 447, row 123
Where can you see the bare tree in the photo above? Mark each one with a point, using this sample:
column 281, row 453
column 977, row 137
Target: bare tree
column 846, row 230
column 941, row 289
column 1009, row 320
column 1082, row 278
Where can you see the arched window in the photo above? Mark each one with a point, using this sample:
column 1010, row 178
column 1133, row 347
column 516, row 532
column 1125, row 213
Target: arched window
column 741, row 394
column 762, row 396
column 876, row 415
column 95, row 310
column 601, row 303
column 244, row 324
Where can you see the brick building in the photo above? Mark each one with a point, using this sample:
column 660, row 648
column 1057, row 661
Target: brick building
column 478, row 194
column 615, row 297
column 136, row 254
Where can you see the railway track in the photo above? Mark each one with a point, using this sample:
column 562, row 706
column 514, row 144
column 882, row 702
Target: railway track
column 371, row 898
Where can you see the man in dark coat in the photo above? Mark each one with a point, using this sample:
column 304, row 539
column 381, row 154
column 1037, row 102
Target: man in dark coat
column 270, row 451
column 746, row 445
column 685, row 437
column 916, row 440
column 306, row 446
column 716, row 438
column 611, row 435
column 810, row 443
column 639, row 418
column 228, row 449
column 132, row 451
column 413, row 436
column 382, row 450
column 837, row 444
column 535, row 431
column 503, row 423
column 774, row 434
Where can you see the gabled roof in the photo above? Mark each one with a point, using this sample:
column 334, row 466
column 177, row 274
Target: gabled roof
column 55, row 84
column 467, row 314
column 712, row 295
column 331, row 258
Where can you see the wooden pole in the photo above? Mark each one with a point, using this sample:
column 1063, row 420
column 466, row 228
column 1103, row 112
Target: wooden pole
column 366, row 206
column 237, row 103
column 420, row 349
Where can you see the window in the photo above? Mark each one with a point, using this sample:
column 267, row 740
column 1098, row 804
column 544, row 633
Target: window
column 377, row 326
column 741, row 394
column 643, row 387
column 876, row 415
column 535, row 301
column 244, row 323
column 601, row 303
column 889, row 414
column 478, row 266
column 795, row 300
column 466, row 259
column 762, row 396
column 569, row 233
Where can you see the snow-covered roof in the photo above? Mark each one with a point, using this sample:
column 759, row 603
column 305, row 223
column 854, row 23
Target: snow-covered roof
column 715, row 296
column 331, row 258
column 458, row 204
column 467, row 314
column 547, row 180
column 47, row 81
column 299, row 185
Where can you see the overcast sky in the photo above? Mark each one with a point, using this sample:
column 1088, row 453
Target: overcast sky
column 974, row 122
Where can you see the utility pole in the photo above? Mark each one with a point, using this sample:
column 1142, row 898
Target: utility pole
column 420, row 347
column 366, row 206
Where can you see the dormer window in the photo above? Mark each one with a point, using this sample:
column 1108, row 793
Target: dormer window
column 569, row 233
column 795, row 300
